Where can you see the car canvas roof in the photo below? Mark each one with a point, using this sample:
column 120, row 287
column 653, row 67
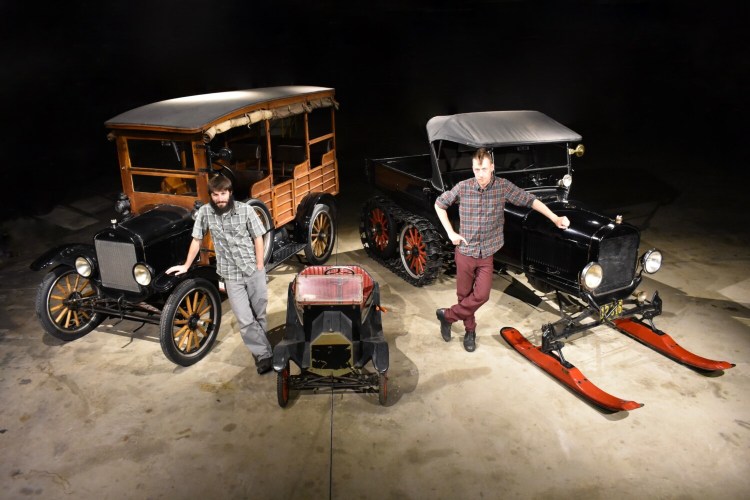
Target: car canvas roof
column 196, row 113
column 499, row 128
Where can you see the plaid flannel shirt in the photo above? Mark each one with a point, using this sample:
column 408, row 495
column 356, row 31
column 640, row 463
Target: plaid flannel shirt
column 482, row 214
column 232, row 234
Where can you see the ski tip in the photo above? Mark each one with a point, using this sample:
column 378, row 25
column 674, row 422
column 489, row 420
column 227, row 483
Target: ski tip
column 630, row 405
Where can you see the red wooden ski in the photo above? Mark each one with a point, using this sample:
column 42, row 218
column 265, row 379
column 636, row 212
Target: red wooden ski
column 663, row 343
column 566, row 373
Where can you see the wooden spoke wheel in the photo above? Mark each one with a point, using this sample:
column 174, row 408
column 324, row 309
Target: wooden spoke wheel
column 265, row 220
column 321, row 235
column 190, row 321
column 61, row 304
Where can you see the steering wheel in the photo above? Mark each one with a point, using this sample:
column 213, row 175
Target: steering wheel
column 223, row 169
column 340, row 270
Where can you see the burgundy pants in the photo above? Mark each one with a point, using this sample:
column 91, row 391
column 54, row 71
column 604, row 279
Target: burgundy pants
column 473, row 285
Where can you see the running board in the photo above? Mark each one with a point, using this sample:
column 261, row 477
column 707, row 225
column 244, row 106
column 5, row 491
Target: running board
column 663, row 343
column 566, row 373
column 280, row 255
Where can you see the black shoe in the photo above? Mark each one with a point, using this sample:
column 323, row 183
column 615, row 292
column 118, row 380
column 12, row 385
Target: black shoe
column 470, row 340
column 445, row 326
column 264, row 365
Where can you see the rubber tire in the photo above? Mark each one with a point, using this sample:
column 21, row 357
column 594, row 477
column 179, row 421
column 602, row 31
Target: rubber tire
column 321, row 215
column 390, row 231
column 402, row 255
column 282, row 386
column 383, row 388
column 261, row 210
column 169, row 315
column 44, row 296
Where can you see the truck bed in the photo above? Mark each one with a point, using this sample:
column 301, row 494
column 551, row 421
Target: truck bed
column 417, row 166
column 406, row 179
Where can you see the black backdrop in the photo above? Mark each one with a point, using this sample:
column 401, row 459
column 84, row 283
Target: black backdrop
column 646, row 83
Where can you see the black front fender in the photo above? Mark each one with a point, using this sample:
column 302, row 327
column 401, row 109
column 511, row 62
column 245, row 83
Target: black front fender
column 165, row 283
column 306, row 206
column 62, row 255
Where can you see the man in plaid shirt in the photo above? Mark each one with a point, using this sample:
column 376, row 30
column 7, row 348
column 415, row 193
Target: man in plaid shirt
column 481, row 201
column 237, row 234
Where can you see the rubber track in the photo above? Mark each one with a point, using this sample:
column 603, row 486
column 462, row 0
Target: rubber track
column 434, row 244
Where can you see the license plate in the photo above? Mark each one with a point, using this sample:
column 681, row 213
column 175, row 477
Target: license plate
column 610, row 311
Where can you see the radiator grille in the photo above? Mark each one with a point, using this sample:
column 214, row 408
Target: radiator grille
column 116, row 261
column 618, row 257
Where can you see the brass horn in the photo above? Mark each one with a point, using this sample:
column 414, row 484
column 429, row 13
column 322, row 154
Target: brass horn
column 578, row 151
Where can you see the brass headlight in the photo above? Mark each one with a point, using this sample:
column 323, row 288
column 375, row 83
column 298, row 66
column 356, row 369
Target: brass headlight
column 84, row 266
column 591, row 276
column 142, row 274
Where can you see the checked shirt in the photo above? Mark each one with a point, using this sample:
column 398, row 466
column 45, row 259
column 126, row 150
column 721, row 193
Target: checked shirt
column 232, row 234
column 481, row 212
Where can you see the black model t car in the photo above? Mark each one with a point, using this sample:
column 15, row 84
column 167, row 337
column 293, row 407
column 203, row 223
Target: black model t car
column 594, row 267
column 277, row 145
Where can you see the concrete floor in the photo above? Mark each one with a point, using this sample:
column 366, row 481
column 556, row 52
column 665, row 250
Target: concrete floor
column 107, row 416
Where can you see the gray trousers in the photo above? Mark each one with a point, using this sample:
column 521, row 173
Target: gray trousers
column 249, row 298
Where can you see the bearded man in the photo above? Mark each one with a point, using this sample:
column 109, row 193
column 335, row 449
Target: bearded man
column 237, row 234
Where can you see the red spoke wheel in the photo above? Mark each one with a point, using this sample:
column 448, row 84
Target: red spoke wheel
column 413, row 251
column 383, row 388
column 378, row 229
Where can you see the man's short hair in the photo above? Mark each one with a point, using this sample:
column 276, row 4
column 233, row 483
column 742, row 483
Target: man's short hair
column 482, row 153
column 218, row 183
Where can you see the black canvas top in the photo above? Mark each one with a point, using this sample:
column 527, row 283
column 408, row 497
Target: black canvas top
column 194, row 113
column 499, row 128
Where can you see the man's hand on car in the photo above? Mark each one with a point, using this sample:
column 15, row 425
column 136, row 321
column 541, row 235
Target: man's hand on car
column 562, row 222
column 177, row 270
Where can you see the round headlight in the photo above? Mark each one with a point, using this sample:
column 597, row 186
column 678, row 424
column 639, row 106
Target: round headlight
column 651, row 261
column 566, row 181
column 592, row 275
column 84, row 267
column 142, row 274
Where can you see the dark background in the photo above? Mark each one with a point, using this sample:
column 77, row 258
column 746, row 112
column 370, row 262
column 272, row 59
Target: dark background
column 649, row 85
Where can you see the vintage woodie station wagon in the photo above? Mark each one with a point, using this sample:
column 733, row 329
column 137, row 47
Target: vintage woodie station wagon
column 277, row 145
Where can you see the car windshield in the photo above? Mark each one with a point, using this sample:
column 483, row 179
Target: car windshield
column 527, row 166
column 162, row 155
column 157, row 154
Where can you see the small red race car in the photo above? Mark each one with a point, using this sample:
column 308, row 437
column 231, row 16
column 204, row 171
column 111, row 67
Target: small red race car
column 333, row 330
